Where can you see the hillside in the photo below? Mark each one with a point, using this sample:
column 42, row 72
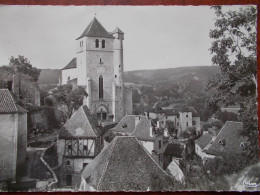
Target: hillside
column 172, row 75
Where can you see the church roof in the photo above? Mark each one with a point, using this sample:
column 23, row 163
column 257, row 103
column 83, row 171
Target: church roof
column 228, row 140
column 124, row 165
column 7, row 104
column 95, row 29
column 71, row 64
column 81, row 125
column 117, row 30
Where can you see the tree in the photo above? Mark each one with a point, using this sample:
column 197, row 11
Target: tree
column 23, row 65
column 234, row 51
column 73, row 98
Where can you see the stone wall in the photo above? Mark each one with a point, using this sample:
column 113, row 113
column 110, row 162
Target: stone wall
column 26, row 89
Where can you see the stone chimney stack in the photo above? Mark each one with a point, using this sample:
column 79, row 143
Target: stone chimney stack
column 137, row 120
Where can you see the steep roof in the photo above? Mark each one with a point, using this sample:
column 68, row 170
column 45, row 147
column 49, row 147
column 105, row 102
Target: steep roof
column 174, row 149
column 95, row 29
column 117, row 30
column 124, row 165
column 126, row 125
column 141, row 131
column 230, row 134
column 7, row 104
column 204, row 140
column 81, row 124
column 71, row 64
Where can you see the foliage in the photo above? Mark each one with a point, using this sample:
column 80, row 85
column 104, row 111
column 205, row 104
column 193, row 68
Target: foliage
column 234, row 51
column 226, row 116
column 23, row 65
column 73, row 98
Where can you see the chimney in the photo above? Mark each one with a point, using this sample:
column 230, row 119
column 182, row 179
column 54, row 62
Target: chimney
column 158, row 124
column 151, row 130
column 165, row 132
column 137, row 120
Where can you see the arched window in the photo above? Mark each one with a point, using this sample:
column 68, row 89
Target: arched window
column 103, row 44
column 97, row 43
column 100, row 86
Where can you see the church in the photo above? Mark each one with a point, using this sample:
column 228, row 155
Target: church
column 99, row 67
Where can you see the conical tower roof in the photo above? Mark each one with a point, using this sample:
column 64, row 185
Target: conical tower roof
column 95, row 29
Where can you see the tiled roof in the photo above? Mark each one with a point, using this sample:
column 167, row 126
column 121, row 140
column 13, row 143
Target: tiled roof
column 141, row 131
column 204, row 140
column 117, row 30
column 81, row 124
column 174, row 149
column 71, row 64
column 7, row 104
column 230, row 135
column 95, row 29
column 124, row 165
column 126, row 125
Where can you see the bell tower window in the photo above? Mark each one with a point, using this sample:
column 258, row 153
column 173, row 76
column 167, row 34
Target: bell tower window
column 101, row 86
column 103, row 44
column 97, row 43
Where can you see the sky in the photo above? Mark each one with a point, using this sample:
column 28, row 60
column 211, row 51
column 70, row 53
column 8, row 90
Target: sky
column 156, row 37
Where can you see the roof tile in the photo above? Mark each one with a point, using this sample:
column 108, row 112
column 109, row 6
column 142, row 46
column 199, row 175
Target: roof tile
column 7, row 104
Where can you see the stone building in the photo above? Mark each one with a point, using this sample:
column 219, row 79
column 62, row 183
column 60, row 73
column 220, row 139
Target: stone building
column 181, row 117
column 13, row 137
column 153, row 136
column 99, row 67
column 80, row 141
column 124, row 165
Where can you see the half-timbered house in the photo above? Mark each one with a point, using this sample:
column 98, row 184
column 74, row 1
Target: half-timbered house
column 80, row 140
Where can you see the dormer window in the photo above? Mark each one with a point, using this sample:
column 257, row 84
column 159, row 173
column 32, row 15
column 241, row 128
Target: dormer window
column 124, row 125
column 103, row 44
column 97, row 43
column 222, row 142
column 243, row 144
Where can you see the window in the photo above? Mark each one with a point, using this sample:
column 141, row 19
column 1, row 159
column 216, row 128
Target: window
column 115, row 76
column 68, row 180
column 85, row 147
column 84, row 165
column 166, row 117
column 119, row 66
column 222, row 142
column 69, row 147
column 160, row 144
column 103, row 43
column 97, row 43
column 177, row 116
column 100, row 61
column 68, row 162
column 101, row 86
column 187, row 116
column 187, row 124
column 193, row 122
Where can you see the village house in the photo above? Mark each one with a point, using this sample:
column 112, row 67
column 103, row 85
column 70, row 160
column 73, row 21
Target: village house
column 228, row 142
column 124, row 165
column 154, row 137
column 200, row 145
column 182, row 118
column 13, row 137
column 80, row 141
column 99, row 67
